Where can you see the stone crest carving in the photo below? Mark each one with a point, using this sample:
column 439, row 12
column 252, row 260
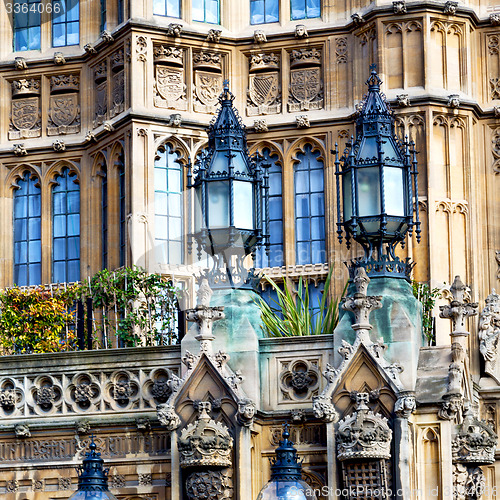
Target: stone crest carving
column 264, row 94
column 306, row 86
column 363, row 434
column 25, row 119
column 474, row 442
column 209, row 485
column 117, row 83
column 101, row 93
column 207, row 80
column 169, row 87
column 205, row 443
column 489, row 332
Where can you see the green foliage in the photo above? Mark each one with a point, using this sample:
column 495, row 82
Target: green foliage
column 35, row 321
column 135, row 307
column 292, row 316
column 427, row 297
column 138, row 307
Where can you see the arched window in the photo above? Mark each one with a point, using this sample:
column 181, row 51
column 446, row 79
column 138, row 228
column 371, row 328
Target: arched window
column 27, row 232
column 275, row 216
column 309, row 208
column 168, row 205
column 66, row 228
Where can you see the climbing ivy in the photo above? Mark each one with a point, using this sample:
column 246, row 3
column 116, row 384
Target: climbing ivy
column 427, row 297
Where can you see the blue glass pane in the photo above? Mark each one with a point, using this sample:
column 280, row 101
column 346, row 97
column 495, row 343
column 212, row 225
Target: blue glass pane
column 21, row 19
column 34, row 38
column 317, row 204
column 276, row 232
column 20, row 206
column 313, row 8
column 198, row 14
column 35, row 273
column 73, row 12
column 174, row 180
column 73, row 224
column 275, row 183
column 21, row 40
column 161, row 203
column 58, row 11
column 58, row 35
column 302, row 205
column 73, row 34
column 59, row 272
column 256, row 11
column 73, row 201
column 173, row 8
column 174, row 204
column 298, row 9
column 302, row 228
column 21, row 275
column 276, row 257
column 160, row 179
column 318, row 252
column 317, row 180
column 212, row 11
column 59, row 249
column 174, row 228
column 59, row 228
column 21, row 252
column 303, row 253
column 34, row 206
column 159, row 7
column 34, row 228
column 302, row 181
column 59, row 203
column 74, row 248
column 317, row 228
column 272, row 11
column 20, row 229
column 35, row 251
column 74, row 270
column 275, row 208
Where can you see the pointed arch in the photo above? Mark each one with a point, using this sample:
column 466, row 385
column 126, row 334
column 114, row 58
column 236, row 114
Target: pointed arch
column 298, row 147
column 176, row 144
column 99, row 164
column 58, row 167
column 18, row 172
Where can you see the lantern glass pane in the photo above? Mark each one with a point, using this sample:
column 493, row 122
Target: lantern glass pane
column 394, row 191
column 347, row 195
column 92, row 495
column 198, row 214
column 243, row 205
column 218, row 204
column 368, row 191
column 369, row 148
column 219, row 164
column 286, row 490
column 239, row 163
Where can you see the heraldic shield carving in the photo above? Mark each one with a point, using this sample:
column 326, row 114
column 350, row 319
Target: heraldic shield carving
column 25, row 118
column 264, row 92
column 208, row 87
column 64, row 114
column 170, row 89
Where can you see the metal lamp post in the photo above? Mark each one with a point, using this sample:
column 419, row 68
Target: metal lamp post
column 286, row 482
column 377, row 176
column 92, row 478
column 230, row 190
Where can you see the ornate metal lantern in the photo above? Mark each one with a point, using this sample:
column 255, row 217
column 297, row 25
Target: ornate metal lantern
column 230, row 192
column 377, row 176
column 286, row 482
column 92, row 478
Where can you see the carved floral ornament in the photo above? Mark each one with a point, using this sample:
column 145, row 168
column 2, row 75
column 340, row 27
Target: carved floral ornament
column 363, row 434
column 299, row 379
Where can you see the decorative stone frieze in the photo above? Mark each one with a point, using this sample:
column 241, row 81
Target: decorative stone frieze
column 12, row 486
column 301, row 31
column 489, row 333
column 169, row 86
column 364, row 434
column 145, row 479
column 205, row 443
column 496, row 168
column 474, row 442
column 306, row 84
column 264, row 92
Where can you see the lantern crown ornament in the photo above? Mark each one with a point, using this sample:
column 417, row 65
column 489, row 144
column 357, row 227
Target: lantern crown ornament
column 286, row 474
column 231, row 189
column 377, row 182
column 92, row 477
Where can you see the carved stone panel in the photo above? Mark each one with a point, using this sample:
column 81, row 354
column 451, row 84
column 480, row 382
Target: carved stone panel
column 208, row 77
column 306, row 84
column 493, row 65
column 25, row 118
column 264, row 91
column 117, row 83
column 64, row 108
column 170, row 86
column 101, row 93
column 299, row 379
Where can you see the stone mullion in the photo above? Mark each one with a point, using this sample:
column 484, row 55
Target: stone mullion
column 46, row 229
column 288, row 196
column 90, row 219
column 113, row 215
column 7, row 236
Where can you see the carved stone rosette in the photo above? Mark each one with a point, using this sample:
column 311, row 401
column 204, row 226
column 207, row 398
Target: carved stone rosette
column 207, row 68
column 264, row 91
column 64, row 107
column 25, row 117
column 306, row 84
column 364, row 434
column 170, row 86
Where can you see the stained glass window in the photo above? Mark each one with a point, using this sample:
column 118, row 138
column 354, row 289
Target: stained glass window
column 305, row 9
column 274, row 225
column 309, row 208
column 27, row 232
column 170, row 8
column 168, row 205
column 264, row 11
column 65, row 22
column 206, row 11
column 26, row 19
column 66, row 228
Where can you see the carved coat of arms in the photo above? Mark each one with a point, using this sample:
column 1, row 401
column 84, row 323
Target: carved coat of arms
column 64, row 109
column 208, row 87
column 305, row 84
column 170, row 83
column 264, row 88
column 25, row 113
